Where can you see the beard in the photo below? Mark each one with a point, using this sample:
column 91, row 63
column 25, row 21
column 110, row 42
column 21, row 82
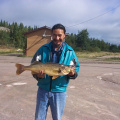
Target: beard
column 56, row 44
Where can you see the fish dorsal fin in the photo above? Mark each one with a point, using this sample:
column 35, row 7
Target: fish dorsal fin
column 34, row 63
column 54, row 77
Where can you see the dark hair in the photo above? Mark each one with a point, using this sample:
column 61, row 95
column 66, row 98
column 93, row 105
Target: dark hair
column 59, row 26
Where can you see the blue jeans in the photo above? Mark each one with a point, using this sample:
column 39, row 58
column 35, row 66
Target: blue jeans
column 56, row 102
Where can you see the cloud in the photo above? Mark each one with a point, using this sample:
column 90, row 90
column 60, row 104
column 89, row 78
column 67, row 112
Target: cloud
column 68, row 12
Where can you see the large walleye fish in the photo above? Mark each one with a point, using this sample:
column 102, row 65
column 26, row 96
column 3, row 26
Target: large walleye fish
column 53, row 69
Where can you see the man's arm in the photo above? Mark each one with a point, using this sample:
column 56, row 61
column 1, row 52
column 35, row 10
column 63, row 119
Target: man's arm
column 39, row 75
column 74, row 72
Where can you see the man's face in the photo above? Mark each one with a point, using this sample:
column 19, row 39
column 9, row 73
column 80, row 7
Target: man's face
column 58, row 37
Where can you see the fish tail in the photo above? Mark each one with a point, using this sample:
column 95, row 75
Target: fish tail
column 20, row 68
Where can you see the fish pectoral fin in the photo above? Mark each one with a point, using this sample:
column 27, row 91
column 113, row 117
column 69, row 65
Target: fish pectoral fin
column 54, row 77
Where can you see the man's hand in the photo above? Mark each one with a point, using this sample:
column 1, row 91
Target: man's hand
column 41, row 74
column 72, row 72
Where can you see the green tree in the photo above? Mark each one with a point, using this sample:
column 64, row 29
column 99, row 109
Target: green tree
column 4, row 38
column 82, row 40
column 94, row 45
column 71, row 40
column 119, row 48
column 113, row 48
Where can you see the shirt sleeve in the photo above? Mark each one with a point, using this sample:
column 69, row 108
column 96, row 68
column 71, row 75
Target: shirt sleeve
column 36, row 57
column 74, row 76
column 75, row 63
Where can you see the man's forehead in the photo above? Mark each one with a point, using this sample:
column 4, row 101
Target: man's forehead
column 58, row 31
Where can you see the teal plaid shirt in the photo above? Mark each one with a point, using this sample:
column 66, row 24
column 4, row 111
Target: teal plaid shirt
column 55, row 55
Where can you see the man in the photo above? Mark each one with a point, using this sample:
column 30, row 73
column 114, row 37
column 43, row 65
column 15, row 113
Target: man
column 53, row 92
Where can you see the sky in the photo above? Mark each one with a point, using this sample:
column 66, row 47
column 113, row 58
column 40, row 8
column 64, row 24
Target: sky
column 101, row 18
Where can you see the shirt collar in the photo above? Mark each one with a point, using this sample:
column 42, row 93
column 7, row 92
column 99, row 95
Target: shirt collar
column 60, row 49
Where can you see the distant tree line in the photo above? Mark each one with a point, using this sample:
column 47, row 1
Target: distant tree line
column 81, row 41
column 15, row 36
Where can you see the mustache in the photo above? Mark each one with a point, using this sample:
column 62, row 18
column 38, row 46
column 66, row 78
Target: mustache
column 57, row 40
